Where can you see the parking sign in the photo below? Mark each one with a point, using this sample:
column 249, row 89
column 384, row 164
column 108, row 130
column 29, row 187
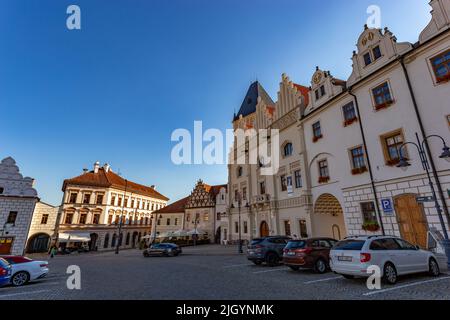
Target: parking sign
column 387, row 206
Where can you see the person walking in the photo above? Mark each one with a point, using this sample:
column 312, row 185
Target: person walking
column 53, row 252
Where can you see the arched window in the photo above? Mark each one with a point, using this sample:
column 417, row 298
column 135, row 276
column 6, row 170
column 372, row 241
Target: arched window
column 106, row 244
column 120, row 239
column 114, row 239
column 288, row 149
column 127, row 241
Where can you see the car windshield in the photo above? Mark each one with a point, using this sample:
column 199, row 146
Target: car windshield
column 296, row 244
column 256, row 241
column 349, row 245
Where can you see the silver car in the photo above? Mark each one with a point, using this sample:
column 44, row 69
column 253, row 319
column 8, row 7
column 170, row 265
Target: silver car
column 352, row 257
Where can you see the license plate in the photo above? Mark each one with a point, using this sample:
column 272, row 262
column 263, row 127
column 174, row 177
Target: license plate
column 251, row 252
column 291, row 253
column 344, row 258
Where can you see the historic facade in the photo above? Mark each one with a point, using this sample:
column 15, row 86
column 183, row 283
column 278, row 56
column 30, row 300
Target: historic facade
column 17, row 202
column 201, row 212
column 97, row 202
column 43, row 227
column 347, row 139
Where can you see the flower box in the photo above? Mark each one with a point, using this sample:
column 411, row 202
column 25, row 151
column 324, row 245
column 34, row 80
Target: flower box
column 361, row 170
column 384, row 105
column 317, row 138
column 442, row 79
column 324, row 179
column 393, row 162
column 350, row 121
column 371, row 226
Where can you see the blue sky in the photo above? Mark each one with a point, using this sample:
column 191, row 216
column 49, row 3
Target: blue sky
column 116, row 89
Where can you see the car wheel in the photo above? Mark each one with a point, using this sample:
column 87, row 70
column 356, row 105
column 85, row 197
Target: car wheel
column 271, row 259
column 295, row 268
column 433, row 268
column 320, row 266
column 257, row 262
column 348, row 276
column 20, row 278
column 389, row 273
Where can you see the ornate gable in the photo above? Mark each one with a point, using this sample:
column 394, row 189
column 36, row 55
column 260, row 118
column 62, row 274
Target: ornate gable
column 440, row 19
column 375, row 49
column 200, row 197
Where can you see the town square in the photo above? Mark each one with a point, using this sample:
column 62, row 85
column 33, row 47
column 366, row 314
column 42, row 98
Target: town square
column 316, row 178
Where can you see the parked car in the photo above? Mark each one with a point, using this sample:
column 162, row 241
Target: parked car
column 163, row 249
column 25, row 269
column 5, row 272
column 267, row 249
column 313, row 253
column 394, row 256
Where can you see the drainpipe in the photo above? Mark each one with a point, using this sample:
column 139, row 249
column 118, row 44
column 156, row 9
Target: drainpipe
column 424, row 136
column 374, row 190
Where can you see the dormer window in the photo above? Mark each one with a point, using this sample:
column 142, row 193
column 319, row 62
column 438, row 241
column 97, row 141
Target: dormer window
column 372, row 55
column 376, row 53
column 320, row 92
column 367, row 59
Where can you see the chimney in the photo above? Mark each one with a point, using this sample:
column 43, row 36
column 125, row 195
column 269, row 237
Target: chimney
column 152, row 186
column 107, row 167
column 96, row 167
column 85, row 170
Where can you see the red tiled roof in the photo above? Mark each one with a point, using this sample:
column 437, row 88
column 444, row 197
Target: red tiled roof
column 111, row 179
column 176, row 207
column 304, row 92
column 214, row 190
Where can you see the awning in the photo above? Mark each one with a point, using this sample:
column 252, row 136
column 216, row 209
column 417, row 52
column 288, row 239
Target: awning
column 74, row 237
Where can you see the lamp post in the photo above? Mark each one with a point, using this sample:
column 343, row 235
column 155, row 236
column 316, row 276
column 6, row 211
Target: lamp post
column 404, row 164
column 195, row 234
column 121, row 218
column 238, row 199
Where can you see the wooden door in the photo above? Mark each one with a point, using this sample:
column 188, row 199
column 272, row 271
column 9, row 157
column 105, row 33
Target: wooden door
column 264, row 229
column 411, row 219
column 6, row 245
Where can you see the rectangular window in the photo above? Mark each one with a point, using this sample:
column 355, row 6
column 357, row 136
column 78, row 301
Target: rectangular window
column 244, row 193
column 113, row 200
column 117, row 220
column 69, row 218
column 376, row 53
column 125, row 202
column 73, row 198
column 322, row 91
column 262, row 187
column 132, row 203
column 1, row 190
column 245, row 227
column 119, row 202
column 87, row 198
column 323, row 169
column 349, row 113
column 96, row 219
column 368, row 212
column 391, row 147
column 283, row 183
column 298, row 179
column 83, row 218
column 159, row 222
column 110, row 219
column 206, row 216
column 176, row 221
column 168, row 221
column 236, row 227
column 317, row 131
column 236, row 194
column 12, row 217
column 287, row 227
column 188, row 217
column 441, row 67
column 44, row 219
column 303, row 229
column 382, row 96
column 99, row 199
column 358, row 161
column 367, row 59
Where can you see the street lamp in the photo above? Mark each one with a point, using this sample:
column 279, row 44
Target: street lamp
column 156, row 222
column 121, row 218
column 404, row 164
column 238, row 199
column 195, row 234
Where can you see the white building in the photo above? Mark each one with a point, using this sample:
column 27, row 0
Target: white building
column 17, row 201
column 43, row 227
column 95, row 202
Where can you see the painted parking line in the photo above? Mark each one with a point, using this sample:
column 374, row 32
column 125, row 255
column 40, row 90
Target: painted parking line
column 237, row 265
column 322, row 280
column 271, row 270
column 404, row 286
column 23, row 293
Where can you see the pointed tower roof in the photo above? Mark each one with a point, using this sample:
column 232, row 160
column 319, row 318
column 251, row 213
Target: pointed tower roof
column 251, row 99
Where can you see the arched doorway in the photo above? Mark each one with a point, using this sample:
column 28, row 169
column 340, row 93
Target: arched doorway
column 264, row 229
column 328, row 218
column 411, row 219
column 38, row 243
column 93, row 242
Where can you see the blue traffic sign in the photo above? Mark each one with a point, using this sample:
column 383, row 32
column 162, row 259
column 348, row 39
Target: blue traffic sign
column 387, row 205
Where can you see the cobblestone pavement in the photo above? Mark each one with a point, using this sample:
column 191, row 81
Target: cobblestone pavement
column 208, row 272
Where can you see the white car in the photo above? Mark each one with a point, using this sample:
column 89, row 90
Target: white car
column 394, row 256
column 25, row 269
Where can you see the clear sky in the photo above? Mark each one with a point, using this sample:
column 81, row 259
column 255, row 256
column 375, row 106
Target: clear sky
column 116, row 89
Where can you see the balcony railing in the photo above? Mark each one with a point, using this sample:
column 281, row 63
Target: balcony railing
column 263, row 198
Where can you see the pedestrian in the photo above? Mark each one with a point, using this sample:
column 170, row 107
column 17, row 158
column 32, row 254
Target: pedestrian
column 53, row 251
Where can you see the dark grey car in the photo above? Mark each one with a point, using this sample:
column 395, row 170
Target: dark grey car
column 267, row 249
column 162, row 249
